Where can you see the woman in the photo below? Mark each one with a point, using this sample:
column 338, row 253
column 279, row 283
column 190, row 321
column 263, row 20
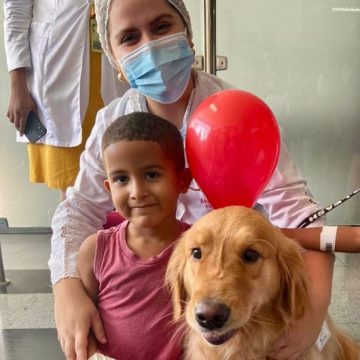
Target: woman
column 152, row 50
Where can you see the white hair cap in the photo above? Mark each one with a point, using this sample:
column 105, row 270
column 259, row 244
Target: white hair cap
column 102, row 13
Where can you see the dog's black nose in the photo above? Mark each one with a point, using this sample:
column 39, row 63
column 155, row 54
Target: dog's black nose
column 211, row 315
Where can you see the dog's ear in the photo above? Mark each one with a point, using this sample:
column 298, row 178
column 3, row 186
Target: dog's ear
column 174, row 277
column 293, row 279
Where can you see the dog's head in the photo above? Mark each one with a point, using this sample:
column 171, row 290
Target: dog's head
column 232, row 269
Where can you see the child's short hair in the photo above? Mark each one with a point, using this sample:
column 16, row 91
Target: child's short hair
column 148, row 127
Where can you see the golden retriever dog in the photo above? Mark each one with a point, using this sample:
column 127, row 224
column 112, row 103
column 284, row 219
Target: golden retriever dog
column 237, row 283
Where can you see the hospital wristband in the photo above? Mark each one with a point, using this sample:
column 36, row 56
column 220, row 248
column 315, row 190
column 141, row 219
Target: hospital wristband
column 328, row 238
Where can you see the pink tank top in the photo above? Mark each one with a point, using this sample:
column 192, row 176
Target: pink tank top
column 133, row 302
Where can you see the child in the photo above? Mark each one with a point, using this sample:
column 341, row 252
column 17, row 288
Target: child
column 123, row 268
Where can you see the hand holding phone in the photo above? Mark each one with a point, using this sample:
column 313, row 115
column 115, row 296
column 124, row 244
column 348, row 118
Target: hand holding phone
column 34, row 128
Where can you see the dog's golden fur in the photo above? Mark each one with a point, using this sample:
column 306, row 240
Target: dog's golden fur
column 236, row 258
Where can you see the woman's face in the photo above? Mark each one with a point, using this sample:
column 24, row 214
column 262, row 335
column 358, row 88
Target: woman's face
column 133, row 23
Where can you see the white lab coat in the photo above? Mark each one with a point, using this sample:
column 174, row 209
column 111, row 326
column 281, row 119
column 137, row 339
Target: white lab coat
column 51, row 39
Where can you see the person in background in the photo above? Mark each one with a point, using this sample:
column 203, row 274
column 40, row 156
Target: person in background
column 55, row 73
column 152, row 50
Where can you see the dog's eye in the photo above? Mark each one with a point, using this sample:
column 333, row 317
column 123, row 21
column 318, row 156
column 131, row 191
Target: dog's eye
column 250, row 256
column 196, row 253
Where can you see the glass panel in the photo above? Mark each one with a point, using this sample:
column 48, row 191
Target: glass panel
column 196, row 11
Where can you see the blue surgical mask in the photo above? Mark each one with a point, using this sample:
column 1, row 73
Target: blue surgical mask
column 160, row 69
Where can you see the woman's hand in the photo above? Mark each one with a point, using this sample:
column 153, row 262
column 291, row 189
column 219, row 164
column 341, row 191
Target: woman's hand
column 300, row 337
column 92, row 346
column 303, row 332
column 75, row 315
column 21, row 101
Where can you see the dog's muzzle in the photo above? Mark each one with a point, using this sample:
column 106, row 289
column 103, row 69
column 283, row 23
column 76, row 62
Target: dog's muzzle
column 211, row 317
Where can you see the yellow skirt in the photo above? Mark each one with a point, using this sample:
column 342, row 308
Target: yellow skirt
column 58, row 167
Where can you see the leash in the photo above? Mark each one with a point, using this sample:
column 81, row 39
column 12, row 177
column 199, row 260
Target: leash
column 316, row 215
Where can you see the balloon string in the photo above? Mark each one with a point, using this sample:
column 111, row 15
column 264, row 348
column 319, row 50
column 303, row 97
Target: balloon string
column 318, row 214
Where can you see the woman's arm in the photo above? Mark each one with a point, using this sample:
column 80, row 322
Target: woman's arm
column 85, row 208
column 75, row 315
column 74, row 324
column 304, row 332
column 81, row 214
column 288, row 202
column 347, row 238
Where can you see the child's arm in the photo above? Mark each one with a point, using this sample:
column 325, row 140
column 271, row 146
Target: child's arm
column 85, row 263
column 347, row 238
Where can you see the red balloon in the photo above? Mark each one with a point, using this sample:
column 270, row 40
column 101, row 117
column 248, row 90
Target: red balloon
column 232, row 146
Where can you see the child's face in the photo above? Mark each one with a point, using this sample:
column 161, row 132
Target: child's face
column 143, row 182
column 133, row 23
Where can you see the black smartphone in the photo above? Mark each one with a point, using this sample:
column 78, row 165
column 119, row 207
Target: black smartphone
column 34, row 128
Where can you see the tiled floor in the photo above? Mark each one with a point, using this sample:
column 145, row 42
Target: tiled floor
column 26, row 305
column 26, row 309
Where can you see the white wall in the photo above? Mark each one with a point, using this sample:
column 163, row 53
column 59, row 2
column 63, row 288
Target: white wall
column 22, row 203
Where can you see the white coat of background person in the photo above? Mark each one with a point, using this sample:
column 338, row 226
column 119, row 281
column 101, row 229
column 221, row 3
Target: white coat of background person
column 47, row 49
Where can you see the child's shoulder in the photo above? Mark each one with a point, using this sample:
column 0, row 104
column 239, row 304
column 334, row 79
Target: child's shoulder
column 87, row 254
column 113, row 229
column 113, row 233
column 89, row 244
